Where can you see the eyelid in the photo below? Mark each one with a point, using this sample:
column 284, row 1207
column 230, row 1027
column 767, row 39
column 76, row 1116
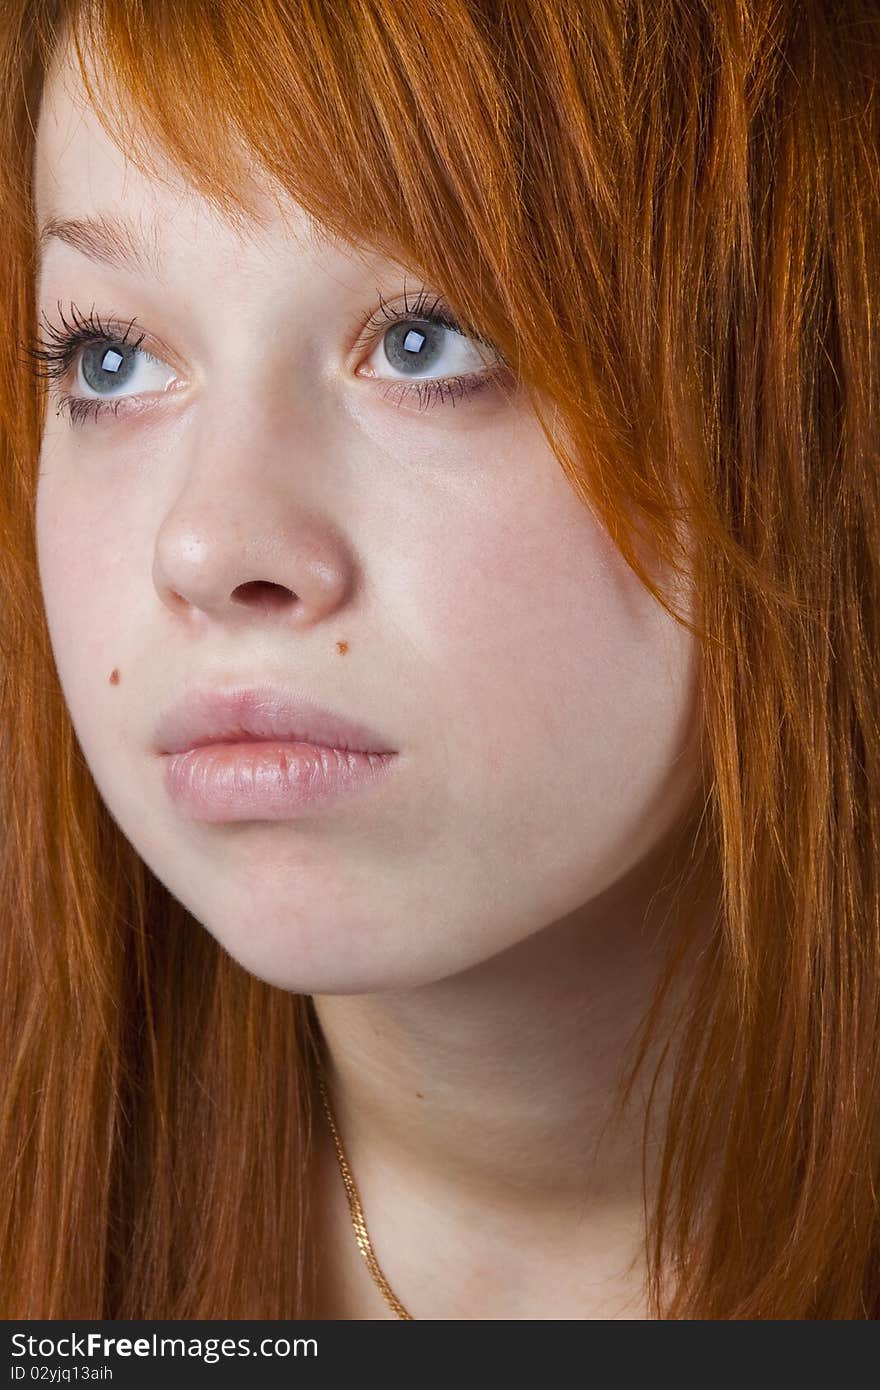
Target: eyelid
column 157, row 348
column 426, row 306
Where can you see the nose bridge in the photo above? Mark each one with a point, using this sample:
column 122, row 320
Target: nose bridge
column 262, row 415
column 273, row 305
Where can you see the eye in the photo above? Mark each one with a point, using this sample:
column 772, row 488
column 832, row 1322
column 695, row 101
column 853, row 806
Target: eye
column 428, row 348
column 105, row 369
column 108, row 369
column 430, row 353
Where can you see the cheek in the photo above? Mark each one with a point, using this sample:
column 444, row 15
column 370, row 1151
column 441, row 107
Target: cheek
column 564, row 696
column 84, row 556
column 535, row 628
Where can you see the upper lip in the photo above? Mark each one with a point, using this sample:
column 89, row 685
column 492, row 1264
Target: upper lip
column 207, row 714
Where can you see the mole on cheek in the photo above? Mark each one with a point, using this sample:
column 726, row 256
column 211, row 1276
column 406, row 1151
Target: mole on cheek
column 114, row 676
column 342, row 647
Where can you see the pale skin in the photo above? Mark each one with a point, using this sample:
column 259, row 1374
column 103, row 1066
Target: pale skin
column 477, row 934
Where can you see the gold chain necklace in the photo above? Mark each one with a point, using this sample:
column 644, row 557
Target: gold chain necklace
column 357, row 1215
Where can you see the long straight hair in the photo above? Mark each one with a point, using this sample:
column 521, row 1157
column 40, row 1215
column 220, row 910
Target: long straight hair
column 666, row 215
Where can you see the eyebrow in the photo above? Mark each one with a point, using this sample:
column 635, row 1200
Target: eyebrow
column 110, row 240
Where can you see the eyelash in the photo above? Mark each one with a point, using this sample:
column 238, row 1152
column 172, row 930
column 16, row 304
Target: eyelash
column 52, row 357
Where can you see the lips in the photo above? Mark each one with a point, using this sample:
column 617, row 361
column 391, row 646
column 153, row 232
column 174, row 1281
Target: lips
column 265, row 713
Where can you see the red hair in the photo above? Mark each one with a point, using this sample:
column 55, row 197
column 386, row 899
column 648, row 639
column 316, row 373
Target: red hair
column 667, row 217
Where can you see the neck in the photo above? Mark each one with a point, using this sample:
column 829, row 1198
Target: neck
column 477, row 1111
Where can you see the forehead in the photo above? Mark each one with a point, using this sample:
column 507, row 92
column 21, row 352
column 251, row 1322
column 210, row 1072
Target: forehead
column 89, row 193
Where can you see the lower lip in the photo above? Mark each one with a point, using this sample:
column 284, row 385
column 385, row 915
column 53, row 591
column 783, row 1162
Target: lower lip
column 266, row 781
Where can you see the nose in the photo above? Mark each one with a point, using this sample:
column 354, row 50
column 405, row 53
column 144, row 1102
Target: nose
column 242, row 542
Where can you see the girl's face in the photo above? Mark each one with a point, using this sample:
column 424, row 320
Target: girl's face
column 261, row 508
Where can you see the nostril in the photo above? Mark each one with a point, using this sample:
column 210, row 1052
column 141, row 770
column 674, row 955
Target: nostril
column 265, row 592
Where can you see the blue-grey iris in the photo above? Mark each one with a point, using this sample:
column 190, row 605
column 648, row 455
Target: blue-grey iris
column 405, row 346
column 104, row 367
